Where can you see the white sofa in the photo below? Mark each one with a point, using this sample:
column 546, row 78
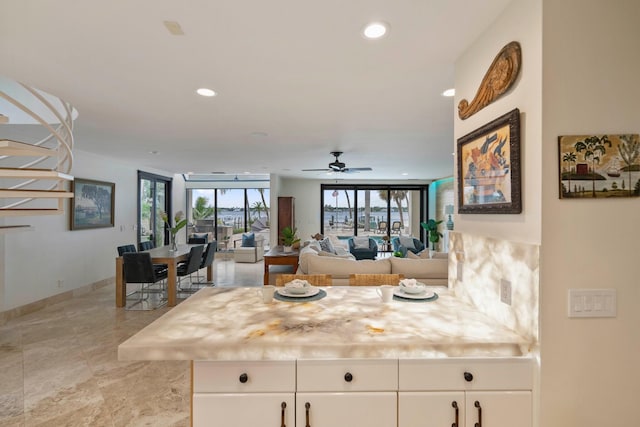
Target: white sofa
column 433, row 272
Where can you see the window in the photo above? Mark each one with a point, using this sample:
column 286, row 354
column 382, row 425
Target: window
column 373, row 210
column 229, row 212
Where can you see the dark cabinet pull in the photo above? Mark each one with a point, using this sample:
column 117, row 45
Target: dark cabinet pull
column 454, row 404
column 477, row 405
column 348, row 377
column 468, row 377
column 307, row 406
column 243, row 378
column 283, row 405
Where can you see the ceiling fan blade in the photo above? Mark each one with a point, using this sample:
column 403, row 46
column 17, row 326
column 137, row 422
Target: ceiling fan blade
column 316, row 170
column 358, row 169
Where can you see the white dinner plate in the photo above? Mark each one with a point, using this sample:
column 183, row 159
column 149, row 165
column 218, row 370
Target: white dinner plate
column 424, row 295
column 311, row 292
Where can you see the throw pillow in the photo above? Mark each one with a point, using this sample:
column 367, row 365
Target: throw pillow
column 424, row 254
column 248, row 240
column 412, row 255
column 407, row 242
column 361, row 242
column 327, row 246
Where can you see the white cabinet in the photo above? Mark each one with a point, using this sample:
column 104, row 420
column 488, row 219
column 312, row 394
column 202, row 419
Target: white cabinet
column 469, row 392
column 244, row 394
column 472, row 392
column 422, row 409
column 243, row 409
column 347, row 393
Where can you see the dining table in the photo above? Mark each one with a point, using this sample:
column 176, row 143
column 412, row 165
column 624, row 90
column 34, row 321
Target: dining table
column 161, row 255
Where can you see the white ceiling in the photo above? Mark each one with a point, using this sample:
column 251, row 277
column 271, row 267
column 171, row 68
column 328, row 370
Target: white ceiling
column 295, row 79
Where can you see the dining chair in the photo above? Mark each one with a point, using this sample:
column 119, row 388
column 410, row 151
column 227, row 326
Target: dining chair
column 146, row 245
column 197, row 241
column 125, row 249
column 138, row 268
column 313, row 279
column 375, row 279
column 207, row 260
column 190, row 266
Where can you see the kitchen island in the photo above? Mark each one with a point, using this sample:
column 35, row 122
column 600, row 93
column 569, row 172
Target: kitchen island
column 344, row 360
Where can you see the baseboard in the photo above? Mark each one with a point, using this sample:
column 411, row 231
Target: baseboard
column 5, row 316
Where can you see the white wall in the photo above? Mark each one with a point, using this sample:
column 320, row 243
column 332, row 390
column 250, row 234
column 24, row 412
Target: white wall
column 591, row 84
column 521, row 22
column 36, row 260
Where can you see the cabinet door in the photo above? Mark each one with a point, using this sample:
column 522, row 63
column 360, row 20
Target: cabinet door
column 499, row 408
column 431, row 409
column 370, row 409
column 243, row 409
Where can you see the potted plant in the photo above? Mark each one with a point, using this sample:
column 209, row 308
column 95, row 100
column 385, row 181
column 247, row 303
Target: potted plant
column 289, row 238
column 432, row 228
column 179, row 222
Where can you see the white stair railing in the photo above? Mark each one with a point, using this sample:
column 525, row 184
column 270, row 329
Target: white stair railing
column 32, row 172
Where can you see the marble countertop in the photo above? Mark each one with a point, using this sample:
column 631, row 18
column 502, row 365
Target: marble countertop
column 350, row 322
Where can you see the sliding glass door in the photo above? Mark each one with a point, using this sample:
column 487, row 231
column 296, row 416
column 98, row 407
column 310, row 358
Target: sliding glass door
column 373, row 210
column 154, row 197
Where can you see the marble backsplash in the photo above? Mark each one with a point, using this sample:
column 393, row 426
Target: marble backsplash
column 477, row 267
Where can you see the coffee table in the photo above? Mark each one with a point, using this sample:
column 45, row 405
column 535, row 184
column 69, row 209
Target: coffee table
column 277, row 256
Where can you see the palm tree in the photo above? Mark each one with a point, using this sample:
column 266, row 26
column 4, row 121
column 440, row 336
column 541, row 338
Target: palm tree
column 629, row 152
column 346, row 193
column 257, row 208
column 202, row 209
column 264, row 203
column 569, row 158
column 593, row 147
column 397, row 196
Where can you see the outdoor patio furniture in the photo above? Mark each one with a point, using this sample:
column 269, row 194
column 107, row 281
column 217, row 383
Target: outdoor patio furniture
column 382, row 227
column 395, row 227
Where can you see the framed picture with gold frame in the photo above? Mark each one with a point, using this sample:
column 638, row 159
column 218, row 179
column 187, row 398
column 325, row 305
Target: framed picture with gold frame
column 489, row 168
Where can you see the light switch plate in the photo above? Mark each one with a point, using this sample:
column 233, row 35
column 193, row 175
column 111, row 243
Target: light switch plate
column 592, row 303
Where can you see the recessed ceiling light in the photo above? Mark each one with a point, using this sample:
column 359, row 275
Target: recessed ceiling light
column 449, row 92
column 375, row 30
column 153, row 152
column 203, row 91
column 405, row 173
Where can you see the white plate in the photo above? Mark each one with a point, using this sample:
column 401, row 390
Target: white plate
column 423, row 295
column 285, row 293
column 420, row 287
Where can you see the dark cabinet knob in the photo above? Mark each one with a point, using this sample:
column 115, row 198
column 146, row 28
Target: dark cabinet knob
column 468, row 376
column 348, row 377
column 243, row 378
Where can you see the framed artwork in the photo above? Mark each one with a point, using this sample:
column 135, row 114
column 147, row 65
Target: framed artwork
column 92, row 205
column 599, row 166
column 489, row 168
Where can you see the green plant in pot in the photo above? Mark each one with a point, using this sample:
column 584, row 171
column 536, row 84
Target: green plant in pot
column 289, row 238
column 432, row 228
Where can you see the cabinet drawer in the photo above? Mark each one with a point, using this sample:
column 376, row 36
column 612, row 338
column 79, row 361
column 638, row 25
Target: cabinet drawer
column 244, row 377
column 347, row 375
column 449, row 374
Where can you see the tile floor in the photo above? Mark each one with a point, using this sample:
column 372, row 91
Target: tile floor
column 59, row 366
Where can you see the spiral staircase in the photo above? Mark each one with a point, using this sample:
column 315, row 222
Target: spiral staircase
column 34, row 176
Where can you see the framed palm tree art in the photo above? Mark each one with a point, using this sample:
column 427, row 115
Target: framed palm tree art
column 599, row 166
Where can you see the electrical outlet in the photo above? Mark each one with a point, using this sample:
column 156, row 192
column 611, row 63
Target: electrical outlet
column 60, row 283
column 505, row 291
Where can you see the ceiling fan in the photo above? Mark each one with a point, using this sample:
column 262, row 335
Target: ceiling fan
column 338, row 166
